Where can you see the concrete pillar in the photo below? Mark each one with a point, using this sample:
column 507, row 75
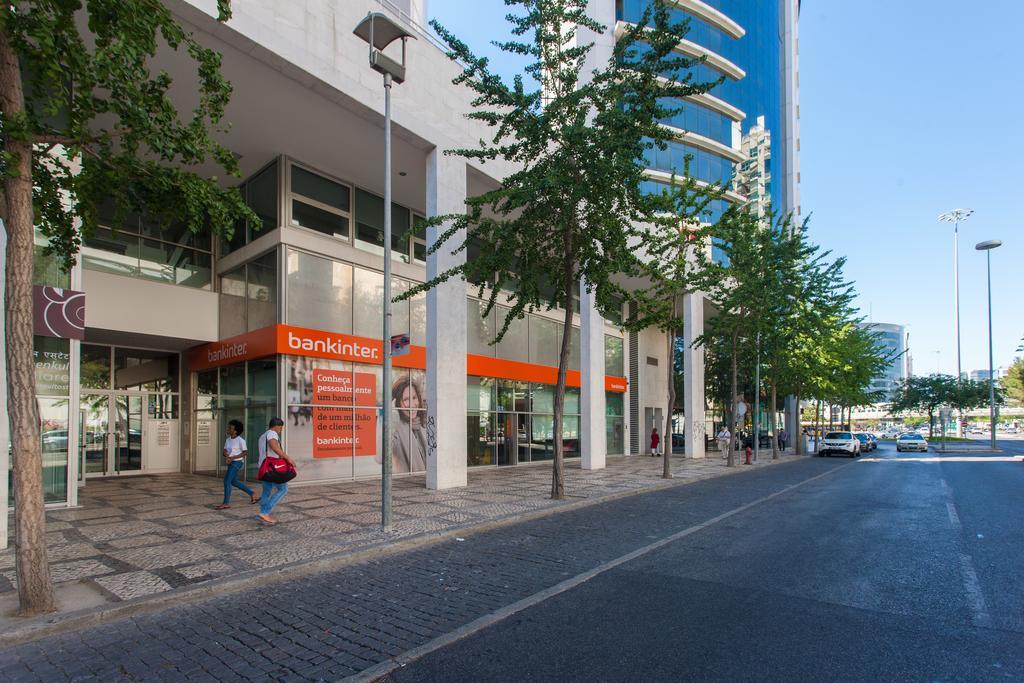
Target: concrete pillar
column 446, row 331
column 592, row 429
column 693, row 375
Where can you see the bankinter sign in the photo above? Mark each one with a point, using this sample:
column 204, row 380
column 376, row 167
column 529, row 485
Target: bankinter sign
column 330, row 346
column 285, row 339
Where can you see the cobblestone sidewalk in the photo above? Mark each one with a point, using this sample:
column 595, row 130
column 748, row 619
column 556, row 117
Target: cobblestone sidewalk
column 143, row 536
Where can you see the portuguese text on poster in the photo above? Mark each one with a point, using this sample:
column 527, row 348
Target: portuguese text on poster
column 338, row 430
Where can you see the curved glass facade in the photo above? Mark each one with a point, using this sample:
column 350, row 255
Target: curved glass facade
column 759, row 95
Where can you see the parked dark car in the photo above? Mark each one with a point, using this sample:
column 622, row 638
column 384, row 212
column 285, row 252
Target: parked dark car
column 867, row 444
column 678, row 441
column 747, row 439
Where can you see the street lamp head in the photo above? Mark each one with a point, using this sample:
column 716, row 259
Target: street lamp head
column 988, row 244
column 956, row 215
column 379, row 30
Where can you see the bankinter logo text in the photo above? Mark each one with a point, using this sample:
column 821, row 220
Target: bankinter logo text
column 226, row 352
column 333, row 347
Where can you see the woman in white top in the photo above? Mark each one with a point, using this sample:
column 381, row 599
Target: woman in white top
column 234, row 452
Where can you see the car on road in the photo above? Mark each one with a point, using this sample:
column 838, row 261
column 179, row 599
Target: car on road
column 911, row 441
column 867, row 442
column 844, row 443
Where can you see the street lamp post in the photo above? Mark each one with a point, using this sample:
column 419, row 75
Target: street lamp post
column 954, row 217
column 757, row 401
column 379, row 31
column 987, row 247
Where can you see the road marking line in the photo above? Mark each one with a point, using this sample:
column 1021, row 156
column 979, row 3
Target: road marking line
column 975, row 598
column 954, row 518
column 972, row 587
column 398, row 661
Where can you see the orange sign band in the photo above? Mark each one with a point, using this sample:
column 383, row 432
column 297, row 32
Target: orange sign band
column 302, row 341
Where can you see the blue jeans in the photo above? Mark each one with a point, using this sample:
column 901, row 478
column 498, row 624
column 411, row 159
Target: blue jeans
column 231, row 479
column 270, row 497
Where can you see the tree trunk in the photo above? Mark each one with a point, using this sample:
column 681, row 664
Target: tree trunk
column 775, row 431
column 819, row 428
column 35, row 588
column 666, row 445
column 731, row 461
column 558, row 467
column 799, row 435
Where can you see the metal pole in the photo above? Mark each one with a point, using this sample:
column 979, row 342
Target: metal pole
column 991, row 369
column 956, row 303
column 385, row 481
column 956, row 291
column 757, row 400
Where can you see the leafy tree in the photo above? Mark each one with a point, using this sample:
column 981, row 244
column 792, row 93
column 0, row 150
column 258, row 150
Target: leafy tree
column 735, row 286
column 1013, row 383
column 575, row 209
column 85, row 119
column 675, row 267
column 927, row 394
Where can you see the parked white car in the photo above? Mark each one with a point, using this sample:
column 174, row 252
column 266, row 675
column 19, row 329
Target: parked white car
column 844, row 443
column 911, row 441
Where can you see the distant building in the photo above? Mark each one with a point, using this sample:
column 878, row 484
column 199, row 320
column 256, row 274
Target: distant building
column 893, row 339
column 982, row 375
column 753, row 175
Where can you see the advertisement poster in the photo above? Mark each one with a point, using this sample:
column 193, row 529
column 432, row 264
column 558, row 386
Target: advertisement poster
column 340, row 432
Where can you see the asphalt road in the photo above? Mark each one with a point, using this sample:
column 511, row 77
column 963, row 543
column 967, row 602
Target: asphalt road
column 900, row 567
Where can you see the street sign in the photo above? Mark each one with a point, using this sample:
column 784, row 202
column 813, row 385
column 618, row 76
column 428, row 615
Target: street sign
column 399, row 345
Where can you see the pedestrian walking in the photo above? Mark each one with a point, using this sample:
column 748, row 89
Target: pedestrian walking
column 655, row 443
column 783, row 437
column 723, row 438
column 234, row 452
column 270, row 445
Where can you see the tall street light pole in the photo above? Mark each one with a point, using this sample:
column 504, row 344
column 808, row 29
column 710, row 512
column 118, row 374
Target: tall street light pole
column 987, row 247
column 379, row 31
column 955, row 217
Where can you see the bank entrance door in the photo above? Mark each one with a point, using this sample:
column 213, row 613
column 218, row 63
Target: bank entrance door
column 125, row 433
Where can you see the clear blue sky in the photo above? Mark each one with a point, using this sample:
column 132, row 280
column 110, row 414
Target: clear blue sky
column 908, row 109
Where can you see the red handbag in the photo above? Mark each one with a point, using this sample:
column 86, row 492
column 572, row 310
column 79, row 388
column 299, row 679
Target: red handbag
column 276, row 470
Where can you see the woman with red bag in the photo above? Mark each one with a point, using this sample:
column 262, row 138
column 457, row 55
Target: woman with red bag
column 274, row 475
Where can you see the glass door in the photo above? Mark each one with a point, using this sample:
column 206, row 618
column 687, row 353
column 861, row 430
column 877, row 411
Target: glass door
column 111, row 440
column 95, row 436
column 506, row 441
column 127, row 433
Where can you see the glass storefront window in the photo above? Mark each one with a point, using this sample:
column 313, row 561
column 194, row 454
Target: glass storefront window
column 400, row 309
column 480, row 436
column 231, row 303
column 480, row 394
column 52, row 358
column 513, row 396
column 261, row 290
column 614, row 359
column 94, row 367
column 53, row 417
column 479, row 329
column 46, row 268
column 261, row 196
column 319, row 293
column 418, row 319
column 543, row 341
column 515, row 344
column 138, row 370
column 367, row 302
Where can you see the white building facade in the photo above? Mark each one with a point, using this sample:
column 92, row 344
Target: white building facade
column 185, row 332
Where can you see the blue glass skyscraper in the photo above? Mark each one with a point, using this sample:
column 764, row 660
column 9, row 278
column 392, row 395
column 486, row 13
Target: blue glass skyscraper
column 744, row 132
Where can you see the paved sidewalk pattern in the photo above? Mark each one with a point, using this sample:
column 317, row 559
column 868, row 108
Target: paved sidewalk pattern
column 334, row 624
column 139, row 536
